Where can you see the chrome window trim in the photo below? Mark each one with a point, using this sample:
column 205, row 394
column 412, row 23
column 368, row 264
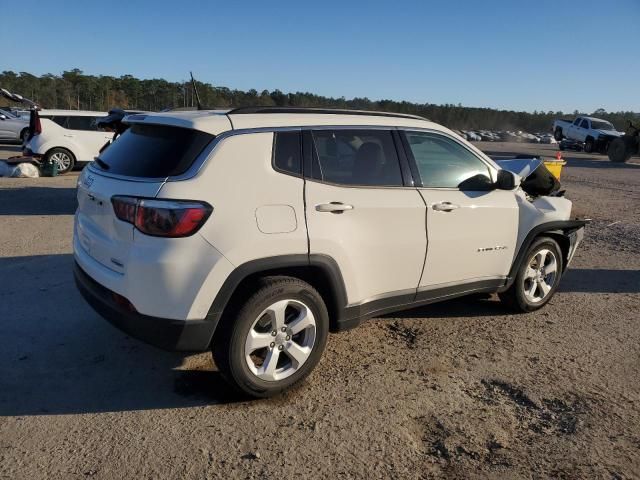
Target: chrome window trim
column 203, row 157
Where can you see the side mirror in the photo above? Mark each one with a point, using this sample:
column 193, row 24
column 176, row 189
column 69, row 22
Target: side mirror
column 477, row 183
column 506, row 180
column 3, row 116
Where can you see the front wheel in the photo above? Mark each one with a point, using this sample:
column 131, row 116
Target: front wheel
column 620, row 150
column 276, row 338
column 538, row 276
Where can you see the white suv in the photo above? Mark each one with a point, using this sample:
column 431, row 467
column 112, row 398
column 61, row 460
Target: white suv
column 255, row 232
column 68, row 137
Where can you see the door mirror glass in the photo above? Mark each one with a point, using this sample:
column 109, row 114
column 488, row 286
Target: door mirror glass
column 506, row 180
column 477, row 183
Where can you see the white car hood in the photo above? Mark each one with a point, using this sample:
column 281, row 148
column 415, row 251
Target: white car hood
column 523, row 167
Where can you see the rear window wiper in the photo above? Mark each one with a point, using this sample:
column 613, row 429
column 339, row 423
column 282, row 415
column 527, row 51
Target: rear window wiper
column 101, row 163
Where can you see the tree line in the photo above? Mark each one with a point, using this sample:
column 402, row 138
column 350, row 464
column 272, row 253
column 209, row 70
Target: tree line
column 78, row 91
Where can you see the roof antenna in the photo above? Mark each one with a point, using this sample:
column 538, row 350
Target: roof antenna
column 195, row 90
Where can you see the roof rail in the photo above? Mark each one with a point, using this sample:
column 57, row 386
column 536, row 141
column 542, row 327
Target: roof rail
column 334, row 111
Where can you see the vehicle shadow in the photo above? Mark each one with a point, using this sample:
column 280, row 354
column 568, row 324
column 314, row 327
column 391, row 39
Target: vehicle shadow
column 575, row 280
column 38, row 201
column 595, row 280
column 57, row 356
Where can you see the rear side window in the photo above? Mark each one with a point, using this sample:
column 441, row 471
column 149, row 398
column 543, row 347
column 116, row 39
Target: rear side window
column 356, row 157
column 287, row 155
column 153, row 151
column 60, row 120
column 81, row 123
column 584, row 124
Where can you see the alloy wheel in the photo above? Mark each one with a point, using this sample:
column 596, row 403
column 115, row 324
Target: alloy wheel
column 280, row 340
column 62, row 159
column 540, row 276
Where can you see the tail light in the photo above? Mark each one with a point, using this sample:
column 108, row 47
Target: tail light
column 162, row 218
column 35, row 127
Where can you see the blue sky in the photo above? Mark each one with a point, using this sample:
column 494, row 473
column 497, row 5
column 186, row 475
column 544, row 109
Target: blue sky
column 521, row 55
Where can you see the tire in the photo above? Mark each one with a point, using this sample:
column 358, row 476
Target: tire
column 620, row 150
column 521, row 296
column 24, row 134
column 63, row 157
column 251, row 340
column 588, row 145
column 558, row 134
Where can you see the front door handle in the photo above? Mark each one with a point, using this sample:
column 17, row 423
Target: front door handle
column 333, row 207
column 445, row 206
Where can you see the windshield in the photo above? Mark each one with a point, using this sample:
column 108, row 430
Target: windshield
column 8, row 113
column 600, row 125
column 153, row 151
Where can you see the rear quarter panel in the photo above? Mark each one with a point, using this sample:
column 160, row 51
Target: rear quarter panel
column 257, row 211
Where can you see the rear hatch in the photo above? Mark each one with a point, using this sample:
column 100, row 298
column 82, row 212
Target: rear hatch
column 136, row 165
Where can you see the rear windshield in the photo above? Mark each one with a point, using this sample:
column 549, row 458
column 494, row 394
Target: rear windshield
column 153, row 151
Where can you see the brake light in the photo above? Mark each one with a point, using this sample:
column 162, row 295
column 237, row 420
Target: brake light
column 35, row 127
column 162, row 218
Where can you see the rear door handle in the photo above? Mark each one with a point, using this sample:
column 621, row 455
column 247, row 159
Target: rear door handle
column 333, row 207
column 445, row 206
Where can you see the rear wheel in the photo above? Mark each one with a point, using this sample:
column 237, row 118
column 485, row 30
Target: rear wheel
column 64, row 158
column 588, row 145
column 276, row 338
column 538, row 276
column 24, row 134
column 557, row 134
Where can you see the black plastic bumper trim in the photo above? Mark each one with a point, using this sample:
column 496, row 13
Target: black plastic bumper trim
column 165, row 333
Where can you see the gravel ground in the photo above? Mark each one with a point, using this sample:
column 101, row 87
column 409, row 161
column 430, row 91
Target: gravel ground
column 456, row 390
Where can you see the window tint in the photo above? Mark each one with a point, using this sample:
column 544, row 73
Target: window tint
column 356, row 157
column 153, row 151
column 81, row 123
column 584, row 124
column 287, row 152
column 62, row 121
column 442, row 162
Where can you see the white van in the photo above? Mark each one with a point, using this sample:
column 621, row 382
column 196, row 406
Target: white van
column 68, row 137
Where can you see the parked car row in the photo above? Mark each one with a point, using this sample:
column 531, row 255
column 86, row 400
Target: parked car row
column 506, row 136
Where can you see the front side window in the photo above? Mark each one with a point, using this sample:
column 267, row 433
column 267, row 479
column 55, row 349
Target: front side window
column 443, row 162
column 576, row 122
column 356, row 157
column 287, row 152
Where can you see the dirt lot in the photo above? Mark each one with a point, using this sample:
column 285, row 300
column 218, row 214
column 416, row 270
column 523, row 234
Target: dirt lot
column 456, row 390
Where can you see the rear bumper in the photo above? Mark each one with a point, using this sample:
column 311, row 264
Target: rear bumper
column 168, row 334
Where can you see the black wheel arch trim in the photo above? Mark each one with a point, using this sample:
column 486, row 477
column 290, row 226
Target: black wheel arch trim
column 271, row 265
column 560, row 227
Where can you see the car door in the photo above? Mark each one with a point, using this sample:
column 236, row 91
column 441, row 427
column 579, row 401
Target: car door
column 583, row 130
column 471, row 227
column 10, row 126
column 363, row 213
column 574, row 129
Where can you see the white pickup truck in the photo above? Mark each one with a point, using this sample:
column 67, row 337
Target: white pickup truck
column 596, row 134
